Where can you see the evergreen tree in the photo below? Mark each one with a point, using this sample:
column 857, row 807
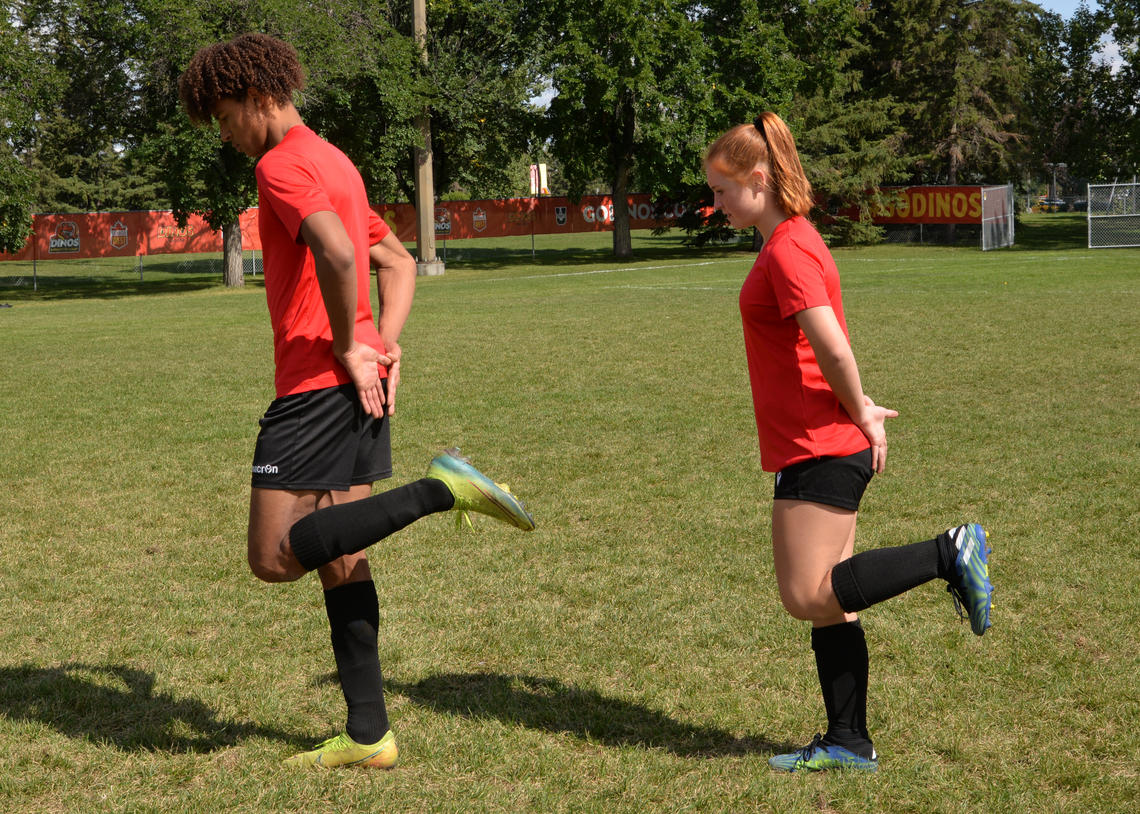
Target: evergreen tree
column 801, row 60
column 957, row 68
column 848, row 139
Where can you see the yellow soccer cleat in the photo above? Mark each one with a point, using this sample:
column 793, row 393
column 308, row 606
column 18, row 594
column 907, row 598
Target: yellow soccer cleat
column 344, row 751
column 475, row 492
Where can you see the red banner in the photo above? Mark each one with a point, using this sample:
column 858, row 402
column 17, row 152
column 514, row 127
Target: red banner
column 126, row 234
column 931, row 205
column 460, row 220
column 119, row 234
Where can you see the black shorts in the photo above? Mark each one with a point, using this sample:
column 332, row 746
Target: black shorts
column 833, row 481
column 321, row 440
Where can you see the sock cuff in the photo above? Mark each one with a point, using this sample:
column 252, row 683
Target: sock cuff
column 308, row 547
column 947, row 556
column 846, row 588
column 351, row 602
column 435, row 494
column 836, row 634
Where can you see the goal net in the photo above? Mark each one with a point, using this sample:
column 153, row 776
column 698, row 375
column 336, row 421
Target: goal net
column 1114, row 215
column 997, row 217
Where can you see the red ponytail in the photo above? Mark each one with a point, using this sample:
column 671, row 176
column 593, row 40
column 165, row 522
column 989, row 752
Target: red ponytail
column 766, row 141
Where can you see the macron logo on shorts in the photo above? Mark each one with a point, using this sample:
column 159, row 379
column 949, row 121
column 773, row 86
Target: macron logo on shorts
column 264, row 469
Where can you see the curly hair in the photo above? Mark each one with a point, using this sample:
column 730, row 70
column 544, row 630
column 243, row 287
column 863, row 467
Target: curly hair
column 229, row 70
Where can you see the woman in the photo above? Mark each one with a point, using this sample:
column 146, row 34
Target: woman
column 824, row 439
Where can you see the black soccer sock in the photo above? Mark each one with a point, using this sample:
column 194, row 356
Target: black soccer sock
column 841, row 662
column 870, row 577
column 330, row 533
column 354, row 618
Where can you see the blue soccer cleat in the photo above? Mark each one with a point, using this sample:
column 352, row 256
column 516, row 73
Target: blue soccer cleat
column 818, row 756
column 972, row 591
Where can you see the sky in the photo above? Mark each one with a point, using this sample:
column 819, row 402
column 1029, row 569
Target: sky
column 1066, row 7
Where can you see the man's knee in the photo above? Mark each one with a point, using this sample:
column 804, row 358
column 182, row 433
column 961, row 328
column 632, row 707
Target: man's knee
column 268, row 564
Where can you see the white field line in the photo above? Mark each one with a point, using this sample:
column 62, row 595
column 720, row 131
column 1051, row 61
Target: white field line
column 728, row 285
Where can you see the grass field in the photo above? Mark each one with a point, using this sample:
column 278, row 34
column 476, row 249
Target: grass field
column 631, row 654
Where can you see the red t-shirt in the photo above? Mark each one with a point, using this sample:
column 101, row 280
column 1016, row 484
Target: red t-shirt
column 797, row 414
column 302, row 175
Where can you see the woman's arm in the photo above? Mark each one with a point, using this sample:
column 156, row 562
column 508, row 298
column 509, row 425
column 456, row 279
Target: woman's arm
column 837, row 362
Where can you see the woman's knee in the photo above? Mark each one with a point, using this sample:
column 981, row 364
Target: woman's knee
column 805, row 606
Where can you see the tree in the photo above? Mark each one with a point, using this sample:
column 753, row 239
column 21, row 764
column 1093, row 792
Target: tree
column 367, row 85
column 206, row 178
column 200, row 174
column 798, row 59
column 1124, row 16
column 363, row 84
column 77, row 139
column 482, row 74
column 1069, row 113
column 627, row 74
column 848, row 139
column 25, row 83
column 957, row 69
column 750, row 67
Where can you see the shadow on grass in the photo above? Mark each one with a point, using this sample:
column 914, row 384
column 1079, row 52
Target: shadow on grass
column 551, row 706
column 1051, row 231
column 117, row 705
column 96, row 279
column 70, row 288
column 470, row 255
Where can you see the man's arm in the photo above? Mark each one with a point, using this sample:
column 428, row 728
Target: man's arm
column 335, row 259
column 396, row 285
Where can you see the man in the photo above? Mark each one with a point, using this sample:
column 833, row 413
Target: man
column 325, row 438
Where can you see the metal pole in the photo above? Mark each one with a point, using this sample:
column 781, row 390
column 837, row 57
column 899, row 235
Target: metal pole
column 428, row 263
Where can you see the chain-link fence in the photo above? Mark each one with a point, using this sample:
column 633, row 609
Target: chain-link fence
column 92, row 274
column 1114, row 215
column 939, row 234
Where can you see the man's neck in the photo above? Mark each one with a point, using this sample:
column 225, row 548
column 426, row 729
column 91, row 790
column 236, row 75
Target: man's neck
column 281, row 120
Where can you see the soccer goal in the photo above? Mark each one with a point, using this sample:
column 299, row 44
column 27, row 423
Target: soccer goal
column 1114, row 215
column 997, row 217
